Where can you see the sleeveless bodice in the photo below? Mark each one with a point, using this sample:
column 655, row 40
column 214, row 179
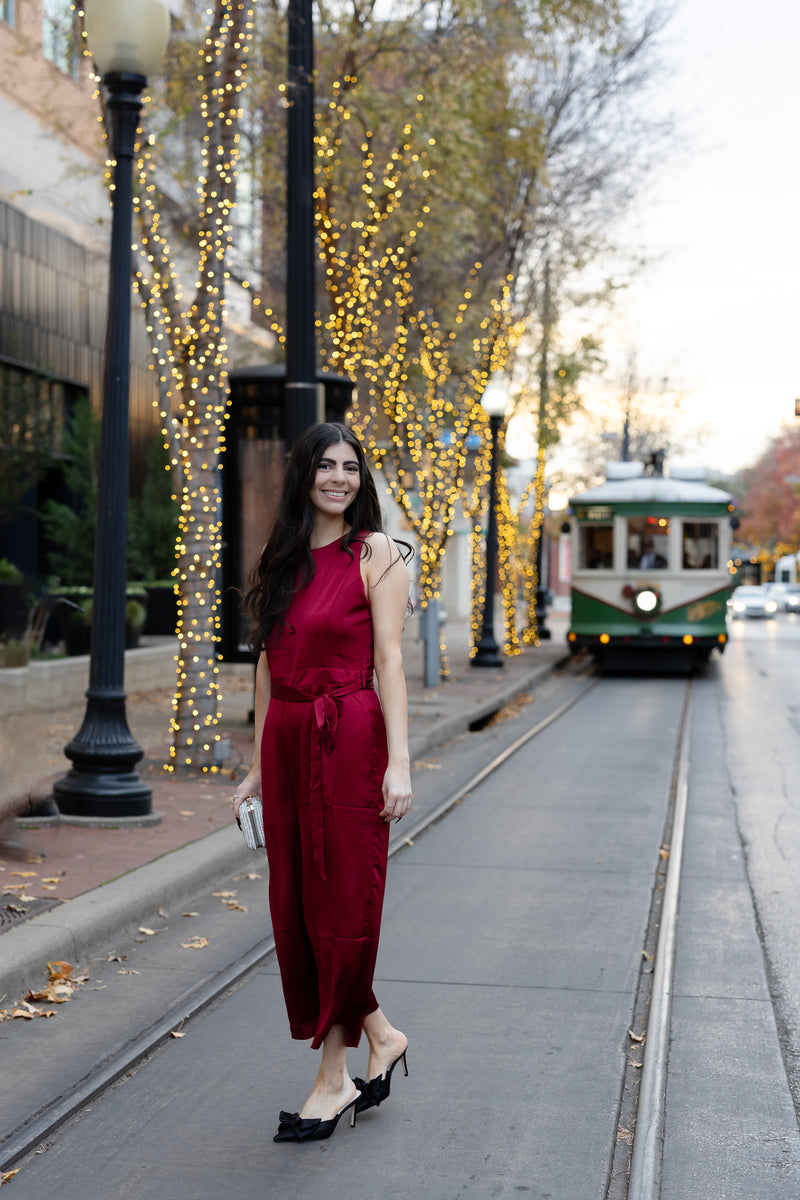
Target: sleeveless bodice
column 328, row 625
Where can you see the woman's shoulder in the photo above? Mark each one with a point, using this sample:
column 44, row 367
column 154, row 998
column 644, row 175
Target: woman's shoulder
column 379, row 551
column 375, row 542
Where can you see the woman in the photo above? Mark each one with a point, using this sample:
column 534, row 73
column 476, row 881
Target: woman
column 327, row 603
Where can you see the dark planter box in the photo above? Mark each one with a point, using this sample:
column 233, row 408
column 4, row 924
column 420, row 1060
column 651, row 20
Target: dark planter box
column 162, row 611
column 13, row 612
column 78, row 637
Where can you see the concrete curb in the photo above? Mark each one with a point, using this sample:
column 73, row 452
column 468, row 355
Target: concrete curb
column 74, row 930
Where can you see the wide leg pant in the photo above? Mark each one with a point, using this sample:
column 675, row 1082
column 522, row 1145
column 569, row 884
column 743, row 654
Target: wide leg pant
column 326, row 923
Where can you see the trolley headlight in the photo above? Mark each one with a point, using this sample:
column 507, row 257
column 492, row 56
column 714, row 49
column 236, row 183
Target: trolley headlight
column 646, row 600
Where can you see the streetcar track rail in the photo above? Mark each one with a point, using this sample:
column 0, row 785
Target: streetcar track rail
column 637, row 1160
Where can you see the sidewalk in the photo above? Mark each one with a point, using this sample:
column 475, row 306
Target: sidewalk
column 44, row 865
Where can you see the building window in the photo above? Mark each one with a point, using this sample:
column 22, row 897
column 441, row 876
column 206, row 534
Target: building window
column 648, row 542
column 60, row 35
column 596, row 548
column 700, row 546
column 8, row 12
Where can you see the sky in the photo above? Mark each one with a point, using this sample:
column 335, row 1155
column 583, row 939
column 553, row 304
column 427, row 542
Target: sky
column 718, row 311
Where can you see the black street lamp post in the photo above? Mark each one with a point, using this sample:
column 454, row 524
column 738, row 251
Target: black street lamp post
column 301, row 375
column 495, row 402
column 128, row 39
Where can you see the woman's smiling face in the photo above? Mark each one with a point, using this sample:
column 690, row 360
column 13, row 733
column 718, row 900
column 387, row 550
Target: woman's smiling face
column 337, row 480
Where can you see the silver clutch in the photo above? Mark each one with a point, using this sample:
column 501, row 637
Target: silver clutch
column 251, row 821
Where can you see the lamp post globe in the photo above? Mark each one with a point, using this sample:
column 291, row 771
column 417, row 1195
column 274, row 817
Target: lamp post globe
column 127, row 39
column 495, row 403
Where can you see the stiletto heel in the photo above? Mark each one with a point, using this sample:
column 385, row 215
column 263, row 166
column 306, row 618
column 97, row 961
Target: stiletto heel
column 375, row 1091
column 294, row 1128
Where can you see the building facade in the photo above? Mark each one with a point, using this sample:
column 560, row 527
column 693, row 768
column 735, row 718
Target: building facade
column 54, row 241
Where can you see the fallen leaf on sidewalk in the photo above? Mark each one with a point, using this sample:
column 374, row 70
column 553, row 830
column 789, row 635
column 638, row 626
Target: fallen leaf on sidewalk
column 127, row 971
column 49, row 887
column 223, row 895
column 54, row 993
column 161, row 912
column 190, row 914
column 147, row 931
column 6, row 1175
column 24, row 874
column 187, row 812
column 197, row 943
column 11, row 889
column 176, row 1033
column 235, row 906
column 636, row 1037
column 116, row 958
column 51, row 879
column 59, row 970
column 26, row 1012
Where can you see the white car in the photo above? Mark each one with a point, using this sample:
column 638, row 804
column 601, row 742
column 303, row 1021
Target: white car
column 752, row 601
column 787, row 596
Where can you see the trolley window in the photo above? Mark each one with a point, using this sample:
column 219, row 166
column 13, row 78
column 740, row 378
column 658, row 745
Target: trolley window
column 648, row 542
column 700, row 546
column 596, row 547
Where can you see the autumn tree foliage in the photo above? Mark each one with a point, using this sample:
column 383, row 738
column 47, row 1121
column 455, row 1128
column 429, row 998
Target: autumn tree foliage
column 770, row 498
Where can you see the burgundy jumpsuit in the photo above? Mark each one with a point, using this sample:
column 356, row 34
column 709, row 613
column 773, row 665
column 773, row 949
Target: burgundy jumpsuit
column 323, row 759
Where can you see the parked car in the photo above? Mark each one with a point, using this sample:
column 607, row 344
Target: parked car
column 753, row 601
column 787, row 596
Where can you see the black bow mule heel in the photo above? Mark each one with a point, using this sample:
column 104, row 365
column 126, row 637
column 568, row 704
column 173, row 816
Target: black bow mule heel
column 294, row 1128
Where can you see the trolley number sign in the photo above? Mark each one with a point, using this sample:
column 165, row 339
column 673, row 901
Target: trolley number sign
column 595, row 514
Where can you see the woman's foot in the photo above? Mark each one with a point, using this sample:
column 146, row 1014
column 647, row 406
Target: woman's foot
column 383, row 1055
column 387, row 1047
column 386, row 1044
column 329, row 1098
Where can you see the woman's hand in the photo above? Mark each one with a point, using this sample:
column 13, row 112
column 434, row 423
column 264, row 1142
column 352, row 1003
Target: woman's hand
column 396, row 793
column 250, row 786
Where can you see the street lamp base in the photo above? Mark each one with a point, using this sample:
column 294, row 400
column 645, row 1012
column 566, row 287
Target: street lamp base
column 102, row 781
column 487, row 654
column 103, row 794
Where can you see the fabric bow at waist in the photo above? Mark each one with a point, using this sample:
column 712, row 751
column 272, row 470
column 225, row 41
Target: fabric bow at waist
column 323, row 689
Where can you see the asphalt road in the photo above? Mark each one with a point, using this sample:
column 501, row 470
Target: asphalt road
column 511, row 956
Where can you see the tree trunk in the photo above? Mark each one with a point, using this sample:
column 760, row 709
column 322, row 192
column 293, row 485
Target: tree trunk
column 195, row 703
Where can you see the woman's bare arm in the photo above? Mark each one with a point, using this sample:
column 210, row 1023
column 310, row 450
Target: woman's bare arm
column 386, row 581
column 251, row 784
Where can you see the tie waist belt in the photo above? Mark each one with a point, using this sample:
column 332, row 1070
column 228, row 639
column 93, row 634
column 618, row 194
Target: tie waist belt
column 324, row 690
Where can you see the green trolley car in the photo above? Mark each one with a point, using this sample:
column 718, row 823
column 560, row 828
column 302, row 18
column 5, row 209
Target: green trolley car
column 650, row 570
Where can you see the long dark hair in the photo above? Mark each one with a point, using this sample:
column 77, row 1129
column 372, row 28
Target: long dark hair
column 286, row 564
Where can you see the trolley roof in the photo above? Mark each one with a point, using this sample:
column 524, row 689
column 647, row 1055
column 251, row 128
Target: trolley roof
column 655, row 489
